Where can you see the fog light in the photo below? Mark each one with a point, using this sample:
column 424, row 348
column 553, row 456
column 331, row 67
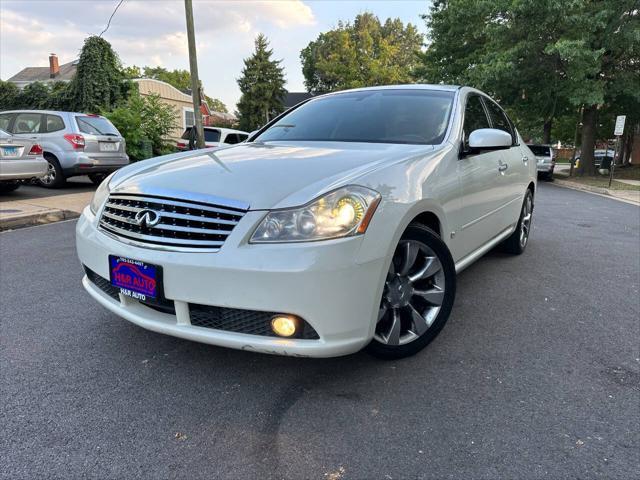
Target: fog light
column 285, row 325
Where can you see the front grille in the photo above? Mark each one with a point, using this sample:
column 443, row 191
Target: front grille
column 240, row 321
column 182, row 223
column 102, row 283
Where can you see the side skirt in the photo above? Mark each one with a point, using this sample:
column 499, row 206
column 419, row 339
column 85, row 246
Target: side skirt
column 476, row 254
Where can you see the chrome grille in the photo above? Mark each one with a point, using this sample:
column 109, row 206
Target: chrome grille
column 181, row 223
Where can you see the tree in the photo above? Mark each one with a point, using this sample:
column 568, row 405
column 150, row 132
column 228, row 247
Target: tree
column 99, row 83
column 34, row 96
column 360, row 54
column 542, row 60
column 215, row 104
column 8, row 95
column 261, row 86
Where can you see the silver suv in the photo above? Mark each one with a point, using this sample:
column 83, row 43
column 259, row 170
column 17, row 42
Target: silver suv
column 73, row 143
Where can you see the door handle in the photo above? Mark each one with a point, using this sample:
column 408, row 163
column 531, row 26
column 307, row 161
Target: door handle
column 525, row 159
column 502, row 166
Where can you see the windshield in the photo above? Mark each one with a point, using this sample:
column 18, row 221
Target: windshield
column 379, row 116
column 96, row 126
column 210, row 135
column 540, row 150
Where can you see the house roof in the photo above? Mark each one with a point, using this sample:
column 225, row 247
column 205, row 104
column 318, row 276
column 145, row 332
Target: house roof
column 291, row 99
column 41, row 74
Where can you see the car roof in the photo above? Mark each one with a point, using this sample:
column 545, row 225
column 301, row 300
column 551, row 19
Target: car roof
column 55, row 112
column 223, row 130
column 411, row 86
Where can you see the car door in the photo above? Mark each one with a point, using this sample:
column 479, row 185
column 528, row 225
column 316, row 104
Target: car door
column 514, row 170
column 480, row 187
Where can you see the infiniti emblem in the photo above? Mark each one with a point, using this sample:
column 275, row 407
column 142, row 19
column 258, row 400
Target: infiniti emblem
column 147, row 218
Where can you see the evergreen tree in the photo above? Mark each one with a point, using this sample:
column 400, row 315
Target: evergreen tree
column 99, row 83
column 262, row 87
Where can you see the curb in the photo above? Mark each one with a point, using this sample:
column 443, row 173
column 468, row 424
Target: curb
column 589, row 188
column 37, row 218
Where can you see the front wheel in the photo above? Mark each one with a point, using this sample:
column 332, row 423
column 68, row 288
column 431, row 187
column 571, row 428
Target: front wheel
column 418, row 295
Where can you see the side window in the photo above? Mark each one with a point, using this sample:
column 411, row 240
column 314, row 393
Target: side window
column 5, row 120
column 232, row 139
column 498, row 119
column 54, row 123
column 474, row 117
column 242, row 138
column 27, row 123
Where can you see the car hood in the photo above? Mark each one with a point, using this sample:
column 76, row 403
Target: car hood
column 262, row 176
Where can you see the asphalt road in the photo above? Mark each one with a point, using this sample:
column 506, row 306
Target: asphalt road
column 536, row 375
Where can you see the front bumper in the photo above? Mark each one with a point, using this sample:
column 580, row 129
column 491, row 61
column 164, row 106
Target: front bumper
column 320, row 282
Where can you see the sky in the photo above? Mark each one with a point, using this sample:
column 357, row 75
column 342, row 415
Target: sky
column 153, row 33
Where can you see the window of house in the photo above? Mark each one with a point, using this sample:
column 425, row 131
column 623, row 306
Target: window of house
column 189, row 118
column 27, row 123
column 54, row 123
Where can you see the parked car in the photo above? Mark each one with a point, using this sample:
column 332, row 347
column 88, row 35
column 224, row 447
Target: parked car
column 545, row 160
column 603, row 158
column 213, row 137
column 342, row 224
column 73, row 143
column 20, row 159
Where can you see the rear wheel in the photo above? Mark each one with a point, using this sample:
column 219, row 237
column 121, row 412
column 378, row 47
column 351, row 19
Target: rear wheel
column 54, row 178
column 418, row 295
column 519, row 239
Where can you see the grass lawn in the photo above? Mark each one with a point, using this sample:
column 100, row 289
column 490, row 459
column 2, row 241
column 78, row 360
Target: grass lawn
column 602, row 181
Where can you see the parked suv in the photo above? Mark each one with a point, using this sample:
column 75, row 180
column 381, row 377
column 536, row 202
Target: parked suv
column 545, row 160
column 213, row 137
column 73, row 143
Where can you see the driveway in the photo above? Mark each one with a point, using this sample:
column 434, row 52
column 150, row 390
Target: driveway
column 536, row 375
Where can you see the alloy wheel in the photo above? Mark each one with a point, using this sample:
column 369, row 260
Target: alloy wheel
column 525, row 223
column 413, row 294
column 49, row 177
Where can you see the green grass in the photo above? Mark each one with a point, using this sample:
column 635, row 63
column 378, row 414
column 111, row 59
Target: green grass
column 600, row 182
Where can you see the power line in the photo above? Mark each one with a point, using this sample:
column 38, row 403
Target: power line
column 109, row 22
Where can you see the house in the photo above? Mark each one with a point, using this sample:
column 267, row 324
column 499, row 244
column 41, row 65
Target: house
column 183, row 105
column 291, row 99
column 53, row 73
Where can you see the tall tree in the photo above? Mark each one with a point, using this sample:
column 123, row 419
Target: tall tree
column 262, row 87
column 359, row 54
column 99, row 83
column 9, row 93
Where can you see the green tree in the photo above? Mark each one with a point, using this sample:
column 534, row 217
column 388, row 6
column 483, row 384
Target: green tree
column 8, row 95
column 360, row 54
column 131, row 72
column 215, row 104
column 99, row 83
column 541, row 59
column 261, row 86
column 34, row 96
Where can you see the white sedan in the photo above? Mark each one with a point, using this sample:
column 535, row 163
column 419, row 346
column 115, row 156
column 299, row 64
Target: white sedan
column 340, row 225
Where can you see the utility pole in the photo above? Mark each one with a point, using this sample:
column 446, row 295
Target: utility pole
column 195, row 80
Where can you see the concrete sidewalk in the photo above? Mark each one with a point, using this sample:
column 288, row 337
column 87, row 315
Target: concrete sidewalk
column 32, row 205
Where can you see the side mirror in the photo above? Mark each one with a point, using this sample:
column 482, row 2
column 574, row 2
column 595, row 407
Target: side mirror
column 489, row 139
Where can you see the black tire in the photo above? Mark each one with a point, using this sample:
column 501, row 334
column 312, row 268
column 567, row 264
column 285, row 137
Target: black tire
column 7, row 187
column 419, row 234
column 97, row 178
column 515, row 243
column 55, row 176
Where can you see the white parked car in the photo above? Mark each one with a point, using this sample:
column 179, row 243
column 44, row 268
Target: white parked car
column 341, row 224
column 213, row 137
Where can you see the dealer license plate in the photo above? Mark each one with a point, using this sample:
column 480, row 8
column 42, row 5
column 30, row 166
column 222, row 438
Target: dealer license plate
column 135, row 279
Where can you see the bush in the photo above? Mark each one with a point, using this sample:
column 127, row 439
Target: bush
column 143, row 121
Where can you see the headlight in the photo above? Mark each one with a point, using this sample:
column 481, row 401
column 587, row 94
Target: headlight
column 100, row 196
column 341, row 213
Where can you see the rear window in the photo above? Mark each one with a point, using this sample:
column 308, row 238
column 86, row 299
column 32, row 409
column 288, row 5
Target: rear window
column 210, row 135
column 540, row 150
column 96, row 126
